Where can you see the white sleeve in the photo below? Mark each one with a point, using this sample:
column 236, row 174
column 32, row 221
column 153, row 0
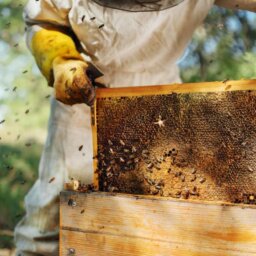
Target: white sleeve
column 45, row 13
column 249, row 5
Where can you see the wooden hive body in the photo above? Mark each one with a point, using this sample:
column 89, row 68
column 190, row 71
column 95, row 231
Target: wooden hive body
column 100, row 224
column 208, row 131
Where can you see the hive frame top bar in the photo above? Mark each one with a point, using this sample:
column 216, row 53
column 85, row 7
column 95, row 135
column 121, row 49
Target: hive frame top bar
column 220, row 86
column 67, row 194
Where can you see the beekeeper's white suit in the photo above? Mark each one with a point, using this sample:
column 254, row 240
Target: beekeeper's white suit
column 134, row 47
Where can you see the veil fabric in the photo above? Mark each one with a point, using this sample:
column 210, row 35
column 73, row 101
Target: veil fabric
column 139, row 5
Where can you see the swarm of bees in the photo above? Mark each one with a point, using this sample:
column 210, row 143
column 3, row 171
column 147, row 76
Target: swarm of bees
column 117, row 158
column 155, row 151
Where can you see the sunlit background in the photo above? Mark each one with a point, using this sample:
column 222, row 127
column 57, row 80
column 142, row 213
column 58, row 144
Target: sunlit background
column 223, row 47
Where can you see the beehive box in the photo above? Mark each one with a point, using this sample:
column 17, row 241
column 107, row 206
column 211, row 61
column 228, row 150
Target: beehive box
column 187, row 153
column 107, row 224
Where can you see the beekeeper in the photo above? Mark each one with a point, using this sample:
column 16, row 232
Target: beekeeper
column 132, row 42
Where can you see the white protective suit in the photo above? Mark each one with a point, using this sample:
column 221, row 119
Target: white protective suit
column 132, row 48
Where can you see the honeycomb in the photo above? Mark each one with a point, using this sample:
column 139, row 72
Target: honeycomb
column 183, row 145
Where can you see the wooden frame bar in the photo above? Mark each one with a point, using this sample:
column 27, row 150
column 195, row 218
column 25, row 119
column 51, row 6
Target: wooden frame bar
column 220, row 86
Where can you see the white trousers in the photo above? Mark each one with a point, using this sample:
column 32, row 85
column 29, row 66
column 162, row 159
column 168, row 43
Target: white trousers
column 69, row 130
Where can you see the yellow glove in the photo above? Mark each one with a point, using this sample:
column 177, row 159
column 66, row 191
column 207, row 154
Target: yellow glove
column 63, row 67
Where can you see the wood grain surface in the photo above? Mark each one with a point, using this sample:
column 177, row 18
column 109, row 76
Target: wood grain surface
column 101, row 223
column 218, row 86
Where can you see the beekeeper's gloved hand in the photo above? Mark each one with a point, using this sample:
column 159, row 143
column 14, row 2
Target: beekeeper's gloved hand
column 63, row 67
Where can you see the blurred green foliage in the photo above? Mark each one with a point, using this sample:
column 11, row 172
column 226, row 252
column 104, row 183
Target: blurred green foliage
column 24, row 105
column 222, row 48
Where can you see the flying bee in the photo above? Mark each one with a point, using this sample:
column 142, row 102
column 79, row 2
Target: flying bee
column 51, row 180
column 150, row 165
column 122, row 160
column 157, row 166
column 158, row 187
column 122, row 142
column 108, row 169
column 71, row 202
column 71, row 251
column 182, row 177
column 145, row 152
column 136, row 160
column 193, row 170
column 202, row 180
column 193, row 178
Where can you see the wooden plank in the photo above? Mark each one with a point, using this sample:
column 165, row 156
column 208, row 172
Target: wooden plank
column 102, row 245
column 200, row 139
column 118, row 224
column 95, row 145
column 219, row 86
